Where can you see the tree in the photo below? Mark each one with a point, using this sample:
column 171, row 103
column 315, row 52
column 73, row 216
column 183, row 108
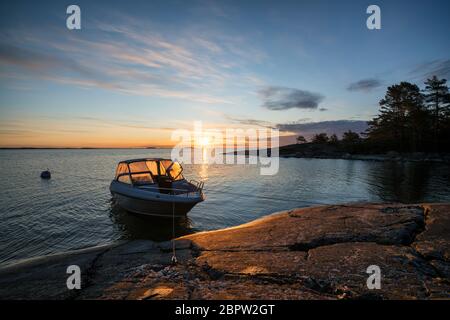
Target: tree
column 320, row 138
column 437, row 101
column 402, row 119
column 351, row 137
column 301, row 139
column 334, row 139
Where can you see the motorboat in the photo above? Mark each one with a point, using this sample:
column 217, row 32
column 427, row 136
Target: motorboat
column 155, row 186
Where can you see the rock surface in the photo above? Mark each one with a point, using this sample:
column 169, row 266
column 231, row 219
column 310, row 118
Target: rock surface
column 310, row 253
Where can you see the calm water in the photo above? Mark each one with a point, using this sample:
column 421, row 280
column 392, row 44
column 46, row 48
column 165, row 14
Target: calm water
column 74, row 208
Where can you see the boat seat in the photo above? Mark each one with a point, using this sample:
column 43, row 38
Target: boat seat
column 165, row 184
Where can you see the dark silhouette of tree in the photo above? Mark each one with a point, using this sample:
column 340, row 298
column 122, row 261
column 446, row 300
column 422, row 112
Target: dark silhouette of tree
column 351, row 142
column 301, row 139
column 334, row 139
column 351, row 137
column 320, row 138
column 437, row 101
column 402, row 118
column 409, row 120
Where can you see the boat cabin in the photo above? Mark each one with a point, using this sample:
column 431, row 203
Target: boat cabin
column 141, row 172
column 153, row 186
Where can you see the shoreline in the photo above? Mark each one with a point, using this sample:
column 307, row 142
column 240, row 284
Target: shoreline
column 373, row 157
column 327, row 151
column 320, row 151
column 319, row 252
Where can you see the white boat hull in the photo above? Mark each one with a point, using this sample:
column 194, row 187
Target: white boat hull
column 146, row 202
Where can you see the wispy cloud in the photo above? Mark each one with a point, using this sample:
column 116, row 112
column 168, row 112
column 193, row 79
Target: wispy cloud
column 250, row 122
column 439, row 68
column 131, row 124
column 365, row 85
column 25, row 58
column 133, row 58
column 36, row 61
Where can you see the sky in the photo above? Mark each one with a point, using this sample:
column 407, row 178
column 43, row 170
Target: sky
column 137, row 70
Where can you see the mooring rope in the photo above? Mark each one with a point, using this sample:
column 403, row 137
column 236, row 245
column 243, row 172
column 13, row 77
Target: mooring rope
column 174, row 256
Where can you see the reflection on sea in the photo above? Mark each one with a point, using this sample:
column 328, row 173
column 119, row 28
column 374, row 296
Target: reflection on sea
column 135, row 226
column 401, row 181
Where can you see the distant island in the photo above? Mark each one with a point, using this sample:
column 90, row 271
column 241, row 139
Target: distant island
column 340, row 151
column 77, row 148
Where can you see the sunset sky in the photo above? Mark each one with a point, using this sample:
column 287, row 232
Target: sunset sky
column 137, row 70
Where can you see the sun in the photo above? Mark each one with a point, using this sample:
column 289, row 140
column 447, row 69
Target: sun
column 204, row 141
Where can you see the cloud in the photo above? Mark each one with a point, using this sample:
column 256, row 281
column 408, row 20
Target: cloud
column 25, row 58
column 16, row 132
column 124, row 124
column 282, row 98
column 134, row 59
column 305, row 126
column 365, row 85
column 338, row 127
column 251, row 122
column 439, row 68
column 37, row 61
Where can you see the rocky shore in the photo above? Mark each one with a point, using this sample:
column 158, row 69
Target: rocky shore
column 391, row 156
column 327, row 151
column 309, row 253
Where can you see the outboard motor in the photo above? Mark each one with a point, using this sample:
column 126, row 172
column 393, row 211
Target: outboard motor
column 46, row 174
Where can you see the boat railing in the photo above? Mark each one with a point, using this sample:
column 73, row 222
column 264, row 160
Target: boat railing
column 198, row 184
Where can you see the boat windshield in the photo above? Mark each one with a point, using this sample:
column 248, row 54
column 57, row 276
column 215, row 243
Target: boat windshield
column 123, row 174
column 174, row 171
column 146, row 171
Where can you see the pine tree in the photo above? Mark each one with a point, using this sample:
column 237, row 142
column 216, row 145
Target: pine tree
column 301, row 139
column 437, row 100
column 400, row 123
column 320, row 138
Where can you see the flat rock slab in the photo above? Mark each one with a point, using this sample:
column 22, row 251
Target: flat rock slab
column 309, row 253
column 307, row 228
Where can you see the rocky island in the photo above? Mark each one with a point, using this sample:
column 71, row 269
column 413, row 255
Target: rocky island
column 308, row 253
column 312, row 150
column 330, row 151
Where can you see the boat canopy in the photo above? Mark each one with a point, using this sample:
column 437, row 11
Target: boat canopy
column 148, row 171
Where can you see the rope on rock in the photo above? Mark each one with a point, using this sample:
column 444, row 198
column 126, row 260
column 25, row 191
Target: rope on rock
column 174, row 256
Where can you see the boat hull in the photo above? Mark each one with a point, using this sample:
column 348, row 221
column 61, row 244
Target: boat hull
column 150, row 203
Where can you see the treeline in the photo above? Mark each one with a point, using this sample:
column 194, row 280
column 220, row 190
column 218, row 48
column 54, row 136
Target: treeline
column 409, row 120
column 350, row 142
